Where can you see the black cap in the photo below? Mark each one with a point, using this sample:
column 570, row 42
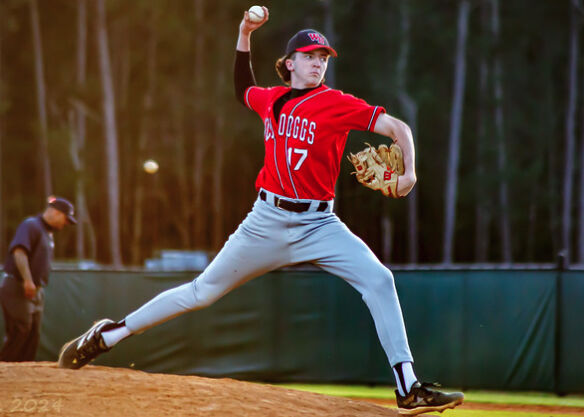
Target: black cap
column 63, row 206
column 308, row 40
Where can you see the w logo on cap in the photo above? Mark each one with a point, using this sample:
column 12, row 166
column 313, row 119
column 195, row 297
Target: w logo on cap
column 308, row 40
column 317, row 37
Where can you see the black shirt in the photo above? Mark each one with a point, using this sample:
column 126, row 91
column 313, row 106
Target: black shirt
column 35, row 236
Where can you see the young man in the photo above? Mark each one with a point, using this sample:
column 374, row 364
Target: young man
column 305, row 130
column 27, row 268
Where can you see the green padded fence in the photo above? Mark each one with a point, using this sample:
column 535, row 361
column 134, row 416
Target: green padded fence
column 495, row 329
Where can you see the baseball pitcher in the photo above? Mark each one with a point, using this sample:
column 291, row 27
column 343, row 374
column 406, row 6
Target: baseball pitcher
column 306, row 125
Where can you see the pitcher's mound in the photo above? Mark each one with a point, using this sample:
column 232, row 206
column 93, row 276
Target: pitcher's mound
column 41, row 388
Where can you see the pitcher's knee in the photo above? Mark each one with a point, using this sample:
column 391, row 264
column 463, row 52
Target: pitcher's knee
column 203, row 302
column 205, row 294
column 379, row 283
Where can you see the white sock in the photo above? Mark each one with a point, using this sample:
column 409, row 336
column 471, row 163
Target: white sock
column 112, row 337
column 405, row 377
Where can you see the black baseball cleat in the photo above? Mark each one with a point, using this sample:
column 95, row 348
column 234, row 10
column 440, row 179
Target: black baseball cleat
column 82, row 350
column 423, row 399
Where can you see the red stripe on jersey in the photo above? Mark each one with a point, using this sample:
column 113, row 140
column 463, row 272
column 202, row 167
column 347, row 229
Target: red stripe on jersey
column 290, row 131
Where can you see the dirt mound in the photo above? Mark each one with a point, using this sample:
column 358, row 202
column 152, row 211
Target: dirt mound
column 41, row 388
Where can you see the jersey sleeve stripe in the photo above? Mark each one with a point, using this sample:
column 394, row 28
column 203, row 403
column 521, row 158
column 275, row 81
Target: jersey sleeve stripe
column 374, row 117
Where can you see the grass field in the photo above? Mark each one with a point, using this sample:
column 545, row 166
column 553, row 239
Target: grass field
column 520, row 404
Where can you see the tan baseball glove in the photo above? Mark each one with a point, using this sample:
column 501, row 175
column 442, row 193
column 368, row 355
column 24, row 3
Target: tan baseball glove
column 379, row 168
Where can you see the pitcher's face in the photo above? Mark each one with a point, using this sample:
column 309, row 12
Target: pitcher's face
column 307, row 69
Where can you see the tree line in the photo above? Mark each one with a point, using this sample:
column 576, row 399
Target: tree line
column 91, row 89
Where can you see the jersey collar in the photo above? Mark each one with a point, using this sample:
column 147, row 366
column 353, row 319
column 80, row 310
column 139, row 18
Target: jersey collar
column 299, row 92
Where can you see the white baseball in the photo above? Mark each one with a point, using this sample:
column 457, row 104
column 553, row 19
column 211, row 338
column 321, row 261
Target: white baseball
column 256, row 14
column 150, row 166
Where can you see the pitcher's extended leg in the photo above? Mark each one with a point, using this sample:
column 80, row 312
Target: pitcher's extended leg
column 257, row 246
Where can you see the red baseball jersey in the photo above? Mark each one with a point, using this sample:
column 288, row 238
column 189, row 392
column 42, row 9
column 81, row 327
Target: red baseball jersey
column 303, row 148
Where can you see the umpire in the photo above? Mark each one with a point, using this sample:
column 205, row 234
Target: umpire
column 26, row 272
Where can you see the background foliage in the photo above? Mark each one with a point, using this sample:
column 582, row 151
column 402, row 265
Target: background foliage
column 177, row 106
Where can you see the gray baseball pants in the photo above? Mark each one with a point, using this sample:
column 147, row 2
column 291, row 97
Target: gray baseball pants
column 270, row 238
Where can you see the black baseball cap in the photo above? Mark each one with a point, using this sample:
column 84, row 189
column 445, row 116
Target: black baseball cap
column 308, row 40
column 64, row 206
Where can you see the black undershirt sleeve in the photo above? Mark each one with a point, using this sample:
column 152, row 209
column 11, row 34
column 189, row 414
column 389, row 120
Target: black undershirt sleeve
column 243, row 77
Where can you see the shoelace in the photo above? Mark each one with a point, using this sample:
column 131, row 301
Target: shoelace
column 430, row 389
column 431, row 385
column 90, row 343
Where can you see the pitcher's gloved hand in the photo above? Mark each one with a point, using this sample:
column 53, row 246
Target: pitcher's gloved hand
column 379, row 168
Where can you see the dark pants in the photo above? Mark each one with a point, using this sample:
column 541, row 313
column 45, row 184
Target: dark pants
column 22, row 321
